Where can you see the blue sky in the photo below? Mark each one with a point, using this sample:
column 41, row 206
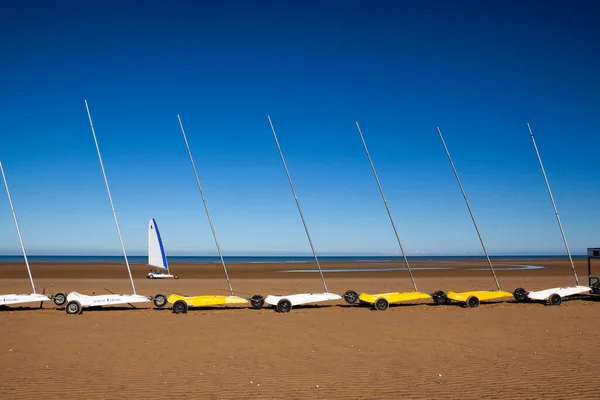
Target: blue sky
column 479, row 70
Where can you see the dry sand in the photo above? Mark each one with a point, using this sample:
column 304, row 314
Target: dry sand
column 502, row 350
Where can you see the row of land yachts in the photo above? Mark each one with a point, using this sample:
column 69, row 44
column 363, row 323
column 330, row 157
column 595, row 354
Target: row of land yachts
column 75, row 303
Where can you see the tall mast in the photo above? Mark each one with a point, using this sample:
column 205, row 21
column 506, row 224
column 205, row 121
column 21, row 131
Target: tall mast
column 212, row 227
column 112, row 206
column 562, row 232
column 298, row 205
column 18, row 230
column 469, row 207
column 386, row 206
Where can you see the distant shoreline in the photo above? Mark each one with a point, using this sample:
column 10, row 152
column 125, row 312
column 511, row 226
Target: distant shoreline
column 274, row 259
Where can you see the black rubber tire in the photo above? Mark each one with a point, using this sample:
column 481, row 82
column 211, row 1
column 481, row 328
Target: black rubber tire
column 554, row 299
column 472, row 302
column 284, row 306
column 381, row 304
column 74, row 307
column 596, row 287
column 175, row 276
column 351, row 296
column 257, row 301
column 519, row 295
column 159, row 300
column 59, row 299
column 439, row 297
column 149, row 277
column 180, row 307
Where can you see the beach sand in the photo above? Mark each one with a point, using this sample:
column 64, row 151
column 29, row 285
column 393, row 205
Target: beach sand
column 501, row 350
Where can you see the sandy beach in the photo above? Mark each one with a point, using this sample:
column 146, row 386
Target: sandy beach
column 500, row 350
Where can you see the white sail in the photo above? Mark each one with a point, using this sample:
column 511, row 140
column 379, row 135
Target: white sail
column 156, row 251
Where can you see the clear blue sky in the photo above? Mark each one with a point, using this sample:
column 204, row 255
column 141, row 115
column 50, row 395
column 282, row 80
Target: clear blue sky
column 479, row 70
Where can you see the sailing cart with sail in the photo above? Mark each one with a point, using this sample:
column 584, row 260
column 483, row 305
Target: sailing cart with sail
column 7, row 299
column 76, row 302
column 554, row 296
column 181, row 304
column 156, row 254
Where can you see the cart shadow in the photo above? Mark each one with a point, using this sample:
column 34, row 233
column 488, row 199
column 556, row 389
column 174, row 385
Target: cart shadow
column 312, row 306
column 21, row 308
column 210, row 308
column 113, row 308
column 371, row 307
column 592, row 298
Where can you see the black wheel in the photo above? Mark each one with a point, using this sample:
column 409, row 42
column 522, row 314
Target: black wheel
column 381, row 304
column 73, row 307
column 257, row 301
column 180, row 307
column 596, row 287
column 149, row 276
column 350, row 296
column 159, row 300
column 472, row 302
column 520, row 295
column 439, row 297
column 176, row 276
column 284, row 306
column 59, row 299
column 554, row 299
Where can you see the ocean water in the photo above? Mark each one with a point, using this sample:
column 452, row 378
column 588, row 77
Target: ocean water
column 274, row 259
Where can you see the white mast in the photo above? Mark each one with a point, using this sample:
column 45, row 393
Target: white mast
column 18, row 230
column 562, row 232
column 469, row 207
column 298, row 205
column 110, row 197
column 386, row 207
column 205, row 206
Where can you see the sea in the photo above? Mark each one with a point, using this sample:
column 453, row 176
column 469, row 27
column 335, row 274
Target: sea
column 275, row 259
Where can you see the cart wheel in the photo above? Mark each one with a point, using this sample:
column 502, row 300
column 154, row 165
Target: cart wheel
column 180, row 307
column 149, row 276
column 284, row 306
column 257, row 301
column 59, row 298
column 439, row 297
column 350, row 296
column 596, row 287
column 520, row 295
column 73, row 307
column 381, row 304
column 554, row 299
column 472, row 302
column 159, row 300
column 175, row 276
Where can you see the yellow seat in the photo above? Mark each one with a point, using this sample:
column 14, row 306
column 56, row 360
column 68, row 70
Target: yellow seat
column 480, row 294
column 395, row 297
column 200, row 301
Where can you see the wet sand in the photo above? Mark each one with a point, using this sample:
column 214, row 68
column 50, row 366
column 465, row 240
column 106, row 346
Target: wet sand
column 501, row 350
